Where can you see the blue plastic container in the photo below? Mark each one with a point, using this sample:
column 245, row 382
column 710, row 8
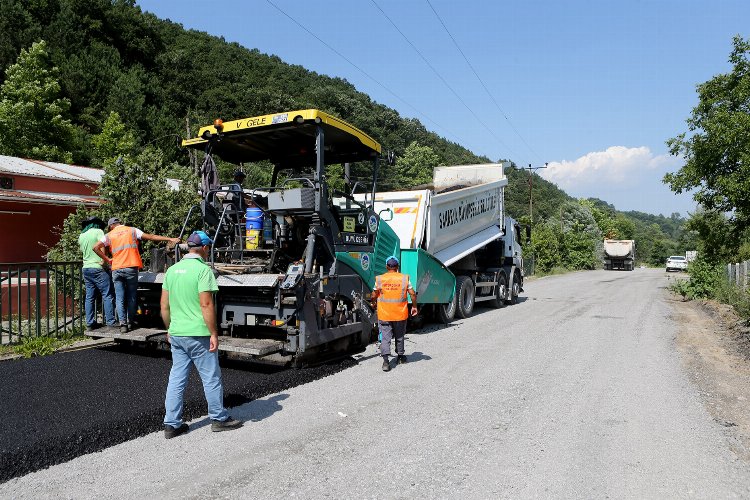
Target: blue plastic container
column 254, row 218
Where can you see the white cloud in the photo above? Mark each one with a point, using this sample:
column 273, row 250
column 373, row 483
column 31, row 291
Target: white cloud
column 619, row 165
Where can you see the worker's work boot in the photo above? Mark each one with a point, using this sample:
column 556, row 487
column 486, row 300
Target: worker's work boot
column 226, row 425
column 171, row 432
column 401, row 359
column 386, row 365
column 123, row 328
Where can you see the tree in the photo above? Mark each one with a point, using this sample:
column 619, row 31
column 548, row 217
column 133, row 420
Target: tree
column 545, row 241
column 135, row 189
column 114, row 141
column 717, row 148
column 582, row 240
column 33, row 113
column 412, row 168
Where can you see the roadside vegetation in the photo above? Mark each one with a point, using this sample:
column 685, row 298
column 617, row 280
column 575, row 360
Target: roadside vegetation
column 43, row 345
column 717, row 171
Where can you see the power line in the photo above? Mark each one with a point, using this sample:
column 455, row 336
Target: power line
column 482, row 82
column 460, row 99
column 423, row 115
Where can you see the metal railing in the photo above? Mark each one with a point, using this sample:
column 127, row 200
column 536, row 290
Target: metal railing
column 40, row 299
column 738, row 274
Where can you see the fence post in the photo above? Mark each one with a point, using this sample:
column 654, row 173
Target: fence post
column 38, row 293
column 746, row 264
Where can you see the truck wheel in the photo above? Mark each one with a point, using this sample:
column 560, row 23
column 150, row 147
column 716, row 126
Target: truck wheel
column 465, row 293
column 446, row 312
column 500, row 292
column 515, row 289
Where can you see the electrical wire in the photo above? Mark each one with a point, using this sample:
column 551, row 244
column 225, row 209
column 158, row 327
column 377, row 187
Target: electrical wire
column 437, row 73
column 482, row 83
column 332, row 49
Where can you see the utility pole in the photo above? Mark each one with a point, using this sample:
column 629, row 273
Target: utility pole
column 531, row 188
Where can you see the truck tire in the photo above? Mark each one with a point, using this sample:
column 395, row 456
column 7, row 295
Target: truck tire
column 501, row 290
column 515, row 289
column 465, row 296
column 445, row 313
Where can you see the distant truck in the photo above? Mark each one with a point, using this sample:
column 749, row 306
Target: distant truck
column 619, row 254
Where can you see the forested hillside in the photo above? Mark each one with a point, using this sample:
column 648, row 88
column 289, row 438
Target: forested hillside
column 118, row 82
column 158, row 77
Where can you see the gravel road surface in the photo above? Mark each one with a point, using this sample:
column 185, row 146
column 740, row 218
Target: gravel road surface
column 576, row 392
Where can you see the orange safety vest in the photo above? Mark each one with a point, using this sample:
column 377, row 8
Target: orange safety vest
column 392, row 305
column 124, row 247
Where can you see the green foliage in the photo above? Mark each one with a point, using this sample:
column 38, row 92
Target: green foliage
column 33, row 113
column 712, row 229
column 731, row 294
column 582, row 239
column 413, row 168
column 45, row 345
column 36, row 346
column 545, row 245
column 114, row 141
column 705, row 279
column 715, row 148
column 136, row 190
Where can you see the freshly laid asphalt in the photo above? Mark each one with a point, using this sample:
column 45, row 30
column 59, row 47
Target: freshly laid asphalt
column 59, row 407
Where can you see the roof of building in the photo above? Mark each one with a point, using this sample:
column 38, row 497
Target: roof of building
column 49, row 170
column 48, row 198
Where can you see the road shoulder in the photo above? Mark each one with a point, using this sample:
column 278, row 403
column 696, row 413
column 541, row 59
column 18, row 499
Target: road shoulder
column 715, row 349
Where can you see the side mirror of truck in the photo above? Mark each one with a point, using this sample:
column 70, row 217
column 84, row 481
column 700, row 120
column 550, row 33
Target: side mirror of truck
column 387, row 212
column 528, row 234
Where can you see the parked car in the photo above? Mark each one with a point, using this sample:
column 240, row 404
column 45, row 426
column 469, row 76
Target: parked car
column 677, row 263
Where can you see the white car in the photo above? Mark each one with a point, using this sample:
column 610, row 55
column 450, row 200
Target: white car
column 677, row 263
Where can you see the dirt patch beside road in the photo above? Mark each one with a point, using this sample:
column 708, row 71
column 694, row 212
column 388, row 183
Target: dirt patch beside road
column 715, row 348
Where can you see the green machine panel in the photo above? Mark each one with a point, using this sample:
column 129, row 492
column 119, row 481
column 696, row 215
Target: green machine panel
column 433, row 282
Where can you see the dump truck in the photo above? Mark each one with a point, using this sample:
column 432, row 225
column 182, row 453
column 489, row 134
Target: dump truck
column 460, row 223
column 619, row 254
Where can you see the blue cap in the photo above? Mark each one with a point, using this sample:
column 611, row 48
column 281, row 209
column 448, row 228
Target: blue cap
column 391, row 261
column 199, row 239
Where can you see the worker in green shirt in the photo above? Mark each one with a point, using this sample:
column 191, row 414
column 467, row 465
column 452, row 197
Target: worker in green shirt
column 187, row 308
column 95, row 276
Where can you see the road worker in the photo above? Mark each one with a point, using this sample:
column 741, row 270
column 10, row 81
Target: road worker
column 393, row 309
column 187, row 309
column 95, row 276
column 125, row 262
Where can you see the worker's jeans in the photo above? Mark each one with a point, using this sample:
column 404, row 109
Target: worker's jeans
column 126, row 288
column 98, row 280
column 187, row 351
column 389, row 330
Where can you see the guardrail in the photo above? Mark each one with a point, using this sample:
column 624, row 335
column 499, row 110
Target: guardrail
column 738, row 274
column 40, row 299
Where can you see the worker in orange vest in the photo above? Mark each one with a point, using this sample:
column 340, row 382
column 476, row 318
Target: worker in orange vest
column 393, row 309
column 125, row 262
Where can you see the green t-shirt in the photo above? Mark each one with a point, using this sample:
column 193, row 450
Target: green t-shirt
column 86, row 242
column 184, row 281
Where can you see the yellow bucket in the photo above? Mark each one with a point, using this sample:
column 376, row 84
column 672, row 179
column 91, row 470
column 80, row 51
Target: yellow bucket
column 252, row 239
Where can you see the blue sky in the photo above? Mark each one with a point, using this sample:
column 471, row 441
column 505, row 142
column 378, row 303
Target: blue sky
column 594, row 87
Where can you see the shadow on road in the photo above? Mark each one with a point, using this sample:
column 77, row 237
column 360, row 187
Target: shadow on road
column 260, row 409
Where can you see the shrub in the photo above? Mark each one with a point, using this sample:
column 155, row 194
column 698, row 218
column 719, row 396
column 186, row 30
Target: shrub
column 705, row 280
